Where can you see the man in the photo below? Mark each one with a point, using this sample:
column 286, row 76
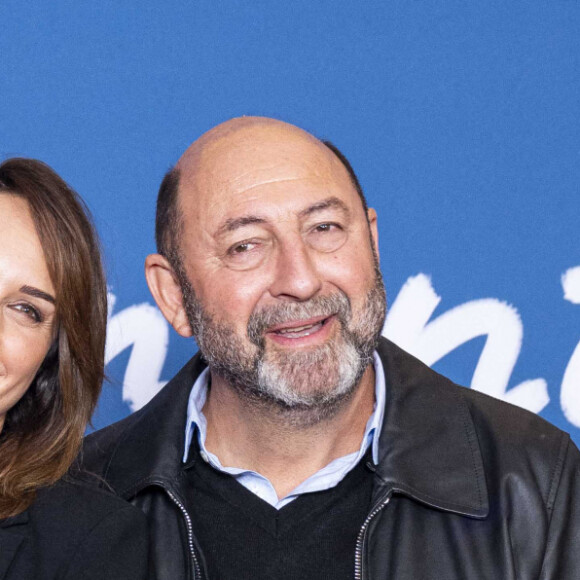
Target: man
column 298, row 443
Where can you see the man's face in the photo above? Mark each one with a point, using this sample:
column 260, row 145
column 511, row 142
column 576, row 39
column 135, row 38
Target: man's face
column 280, row 280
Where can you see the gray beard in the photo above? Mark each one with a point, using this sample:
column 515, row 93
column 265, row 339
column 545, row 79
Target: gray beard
column 303, row 386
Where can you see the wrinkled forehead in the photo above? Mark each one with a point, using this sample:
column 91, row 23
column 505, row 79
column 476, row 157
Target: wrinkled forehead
column 243, row 163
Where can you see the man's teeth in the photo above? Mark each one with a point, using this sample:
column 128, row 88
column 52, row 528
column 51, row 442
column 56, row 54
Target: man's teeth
column 300, row 331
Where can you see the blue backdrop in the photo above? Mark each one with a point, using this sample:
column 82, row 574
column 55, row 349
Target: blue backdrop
column 461, row 119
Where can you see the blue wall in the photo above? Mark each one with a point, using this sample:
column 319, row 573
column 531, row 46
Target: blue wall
column 462, row 120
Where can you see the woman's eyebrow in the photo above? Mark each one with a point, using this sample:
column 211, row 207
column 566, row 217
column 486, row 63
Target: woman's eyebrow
column 32, row 291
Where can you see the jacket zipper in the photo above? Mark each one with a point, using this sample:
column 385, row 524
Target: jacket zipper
column 195, row 559
column 362, row 535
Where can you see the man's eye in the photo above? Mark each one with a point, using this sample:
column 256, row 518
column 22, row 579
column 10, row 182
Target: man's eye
column 29, row 311
column 246, row 255
column 242, row 248
column 327, row 236
column 325, row 227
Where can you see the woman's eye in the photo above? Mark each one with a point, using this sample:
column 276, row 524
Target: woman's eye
column 29, row 311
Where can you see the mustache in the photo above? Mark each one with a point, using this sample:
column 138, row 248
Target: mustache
column 259, row 321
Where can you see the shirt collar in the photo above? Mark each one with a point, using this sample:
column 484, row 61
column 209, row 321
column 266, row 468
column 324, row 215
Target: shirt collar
column 196, row 419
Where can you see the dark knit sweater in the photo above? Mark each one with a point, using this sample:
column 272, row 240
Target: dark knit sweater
column 243, row 537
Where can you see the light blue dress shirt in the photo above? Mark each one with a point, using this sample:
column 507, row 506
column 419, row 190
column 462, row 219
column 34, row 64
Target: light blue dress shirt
column 328, row 477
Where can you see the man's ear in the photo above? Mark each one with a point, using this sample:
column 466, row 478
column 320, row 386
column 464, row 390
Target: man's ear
column 166, row 291
column 372, row 217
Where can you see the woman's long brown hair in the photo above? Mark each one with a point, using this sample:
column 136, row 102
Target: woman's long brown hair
column 43, row 432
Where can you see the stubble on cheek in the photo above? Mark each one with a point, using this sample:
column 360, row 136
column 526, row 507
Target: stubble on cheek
column 310, row 382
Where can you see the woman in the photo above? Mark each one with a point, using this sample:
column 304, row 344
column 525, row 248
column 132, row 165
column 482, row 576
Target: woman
column 53, row 314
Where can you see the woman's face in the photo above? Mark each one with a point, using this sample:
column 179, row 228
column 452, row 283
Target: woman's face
column 27, row 310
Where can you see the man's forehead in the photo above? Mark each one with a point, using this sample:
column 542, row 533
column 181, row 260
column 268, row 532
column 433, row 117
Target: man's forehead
column 245, row 156
column 255, row 142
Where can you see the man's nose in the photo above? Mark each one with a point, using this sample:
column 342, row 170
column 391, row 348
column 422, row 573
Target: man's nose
column 296, row 275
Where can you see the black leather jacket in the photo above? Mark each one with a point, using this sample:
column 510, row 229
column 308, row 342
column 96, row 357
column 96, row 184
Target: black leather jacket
column 467, row 487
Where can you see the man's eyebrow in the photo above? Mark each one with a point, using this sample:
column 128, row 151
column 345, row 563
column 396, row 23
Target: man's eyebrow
column 328, row 203
column 31, row 291
column 234, row 223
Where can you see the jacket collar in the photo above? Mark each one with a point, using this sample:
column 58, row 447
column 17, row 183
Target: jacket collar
column 428, row 446
column 151, row 448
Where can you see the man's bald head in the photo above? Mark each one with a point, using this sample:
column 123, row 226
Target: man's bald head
column 214, row 150
column 227, row 139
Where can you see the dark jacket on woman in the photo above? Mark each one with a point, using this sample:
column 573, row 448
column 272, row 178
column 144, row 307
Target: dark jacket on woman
column 74, row 532
column 467, row 487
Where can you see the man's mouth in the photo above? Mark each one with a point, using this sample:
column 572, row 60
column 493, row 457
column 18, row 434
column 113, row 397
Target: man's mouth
column 300, row 329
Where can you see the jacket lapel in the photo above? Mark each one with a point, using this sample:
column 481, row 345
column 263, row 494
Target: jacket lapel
column 428, row 446
column 152, row 449
column 11, row 537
